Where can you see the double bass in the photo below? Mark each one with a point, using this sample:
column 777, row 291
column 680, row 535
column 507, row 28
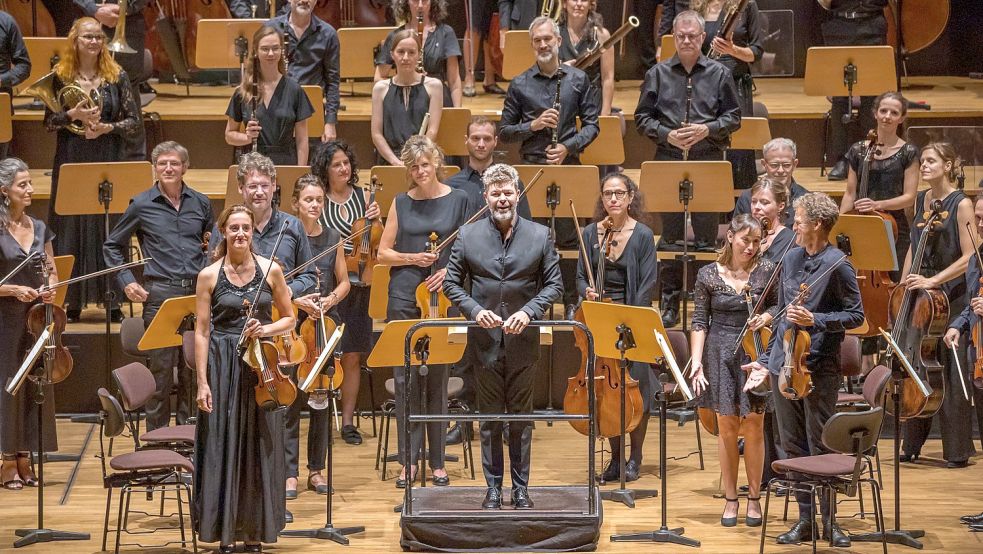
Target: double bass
column 23, row 14
column 172, row 32
column 354, row 13
column 919, row 318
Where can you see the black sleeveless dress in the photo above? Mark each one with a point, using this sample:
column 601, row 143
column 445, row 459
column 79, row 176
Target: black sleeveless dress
column 403, row 109
column 571, row 51
column 239, row 459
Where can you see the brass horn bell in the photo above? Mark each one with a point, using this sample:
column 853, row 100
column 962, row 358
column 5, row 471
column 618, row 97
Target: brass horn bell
column 65, row 99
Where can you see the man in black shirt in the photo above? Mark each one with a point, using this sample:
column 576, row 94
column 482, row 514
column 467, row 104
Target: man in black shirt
column 780, row 162
column 312, row 57
column 515, row 277
column 481, row 140
column 170, row 220
column 700, row 128
column 15, row 66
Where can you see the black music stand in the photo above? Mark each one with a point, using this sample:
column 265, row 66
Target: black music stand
column 103, row 188
column 715, row 184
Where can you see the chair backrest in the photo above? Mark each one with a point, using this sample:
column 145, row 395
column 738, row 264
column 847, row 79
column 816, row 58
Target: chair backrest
column 850, row 358
column 130, row 333
column 136, row 385
column 875, row 385
column 112, row 416
column 839, row 431
column 680, row 345
column 188, row 348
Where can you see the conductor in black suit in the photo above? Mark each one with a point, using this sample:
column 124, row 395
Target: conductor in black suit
column 515, row 277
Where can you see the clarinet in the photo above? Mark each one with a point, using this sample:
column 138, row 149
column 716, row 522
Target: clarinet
column 254, row 102
column 689, row 106
column 419, row 41
column 556, row 106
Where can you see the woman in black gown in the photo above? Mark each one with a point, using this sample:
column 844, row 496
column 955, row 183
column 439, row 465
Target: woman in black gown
column 768, row 201
column 21, row 236
column 239, row 455
column 308, row 204
column 279, row 121
column 629, row 278
column 428, row 207
column 335, row 164
column 893, row 174
column 85, row 135
column 581, row 29
column 400, row 103
column 719, row 313
column 441, row 52
column 946, row 259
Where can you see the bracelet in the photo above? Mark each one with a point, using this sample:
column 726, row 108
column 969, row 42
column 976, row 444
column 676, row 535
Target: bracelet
column 334, row 295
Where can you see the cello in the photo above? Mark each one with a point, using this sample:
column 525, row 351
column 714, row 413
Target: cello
column 365, row 253
column 57, row 359
column 875, row 286
column 919, row 318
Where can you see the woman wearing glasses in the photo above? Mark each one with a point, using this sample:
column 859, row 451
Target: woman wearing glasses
column 629, row 278
column 275, row 111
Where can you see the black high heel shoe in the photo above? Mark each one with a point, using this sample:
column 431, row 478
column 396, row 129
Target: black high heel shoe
column 730, row 521
column 753, row 521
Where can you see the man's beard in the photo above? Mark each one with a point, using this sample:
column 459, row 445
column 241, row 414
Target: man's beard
column 503, row 217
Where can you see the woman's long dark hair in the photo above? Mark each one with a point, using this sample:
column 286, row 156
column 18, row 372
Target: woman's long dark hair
column 635, row 209
column 321, row 161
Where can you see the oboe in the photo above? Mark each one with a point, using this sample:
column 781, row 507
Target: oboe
column 419, row 42
column 556, row 106
column 689, row 106
column 254, row 102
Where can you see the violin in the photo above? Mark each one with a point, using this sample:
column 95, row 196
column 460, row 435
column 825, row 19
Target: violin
column 875, row 286
column 314, row 333
column 432, row 304
column 607, row 371
column 919, row 318
column 754, row 342
column 57, row 359
column 291, row 350
column 976, row 331
column 795, row 379
column 274, row 389
column 365, row 253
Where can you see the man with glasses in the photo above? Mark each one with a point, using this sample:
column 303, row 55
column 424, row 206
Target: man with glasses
column 171, row 221
column 689, row 108
column 780, row 162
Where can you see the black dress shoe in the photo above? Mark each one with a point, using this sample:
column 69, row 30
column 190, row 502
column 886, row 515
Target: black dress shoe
column 520, row 499
column 632, row 470
column 973, row 519
column 569, row 311
column 840, row 539
column 252, row 547
column 670, row 317
column 611, row 473
column 839, row 171
column 73, row 315
column 116, row 316
column 351, row 435
column 441, row 481
column 288, row 516
column 957, row 464
column 908, row 458
column 801, row 531
column 454, row 434
column 401, row 482
column 494, row 89
column 493, row 499
column 226, row 548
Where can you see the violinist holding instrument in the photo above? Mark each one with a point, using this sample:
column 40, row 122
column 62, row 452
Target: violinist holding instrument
column 628, row 278
column 21, row 236
column 515, row 277
column 946, row 257
column 170, row 220
column 308, row 204
column 346, row 206
column 723, row 292
column 831, row 307
column 239, row 458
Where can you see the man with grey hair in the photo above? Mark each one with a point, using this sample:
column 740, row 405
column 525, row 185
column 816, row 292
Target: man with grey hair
column 780, row 162
column 515, row 276
column 689, row 108
column 171, row 221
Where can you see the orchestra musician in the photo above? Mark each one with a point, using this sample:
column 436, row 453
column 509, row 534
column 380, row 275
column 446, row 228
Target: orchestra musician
column 277, row 126
column 312, row 53
column 477, row 33
column 170, row 220
column 308, row 204
column 645, row 38
column 481, row 141
column 541, row 109
column 15, row 65
column 832, row 307
column 779, row 157
column 429, row 206
column 345, row 203
column 698, row 129
column 21, row 236
column 893, row 170
column 629, row 278
column 239, row 453
column 719, row 314
column 768, row 201
column 514, row 277
column 581, row 29
column 88, row 132
column 401, row 103
column 441, row 52
column 946, row 259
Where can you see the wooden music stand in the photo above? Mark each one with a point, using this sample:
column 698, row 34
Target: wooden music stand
column 668, row 44
column 227, row 44
column 453, row 131
column 64, row 266
column 609, row 146
column 560, row 184
column 867, row 240
column 166, row 329
column 315, row 123
column 41, row 50
column 379, row 292
column 518, row 55
column 849, row 70
column 394, row 180
column 752, row 135
column 357, row 46
column 714, row 182
column 286, row 179
column 6, row 127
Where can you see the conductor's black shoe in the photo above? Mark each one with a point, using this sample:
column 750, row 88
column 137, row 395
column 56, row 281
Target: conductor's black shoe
column 801, row 531
column 632, row 471
column 493, row 499
column 976, row 519
column 351, row 435
column 611, row 473
column 838, row 171
column 520, row 499
column 569, row 311
column 670, row 317
column 957, row 464
column 839, row 539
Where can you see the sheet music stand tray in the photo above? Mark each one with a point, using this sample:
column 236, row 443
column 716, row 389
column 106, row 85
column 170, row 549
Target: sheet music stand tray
column 518, row 55
column 167, row 328
column 357, row 47
column 6, row 125
column 64, row 266
column 228, row 44
column 286, row 179
column 712, row 180
column 315, row 123
column 752, row 135
column 560, row 184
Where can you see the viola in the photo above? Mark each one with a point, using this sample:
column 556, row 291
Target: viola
column 365, row 253
column 795, row 379
column 57, row 359
column 274, row 390
column 432, row 304
column 919, row 318
column 976, row 331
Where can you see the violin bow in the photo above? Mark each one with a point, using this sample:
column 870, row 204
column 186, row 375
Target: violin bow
column 808, row 286
column 764, row 294
column 252, row 305
column 583, row 248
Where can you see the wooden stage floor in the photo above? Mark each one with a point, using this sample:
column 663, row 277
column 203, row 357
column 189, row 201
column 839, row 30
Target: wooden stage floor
column 933, row 498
